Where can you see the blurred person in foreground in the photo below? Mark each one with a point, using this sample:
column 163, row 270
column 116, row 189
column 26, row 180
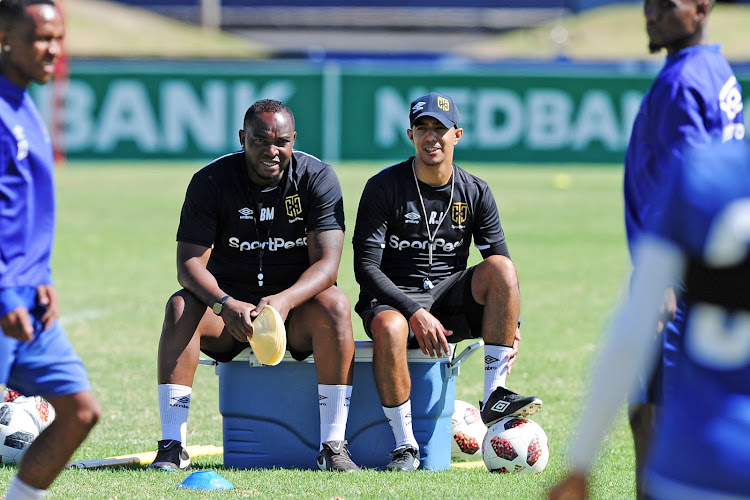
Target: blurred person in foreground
column 695, row 97
column 415, row 224
column 36, row 357
column 261, row 226
column 701, row 445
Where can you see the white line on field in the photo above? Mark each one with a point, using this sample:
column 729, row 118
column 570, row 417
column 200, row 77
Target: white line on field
column 79, row 316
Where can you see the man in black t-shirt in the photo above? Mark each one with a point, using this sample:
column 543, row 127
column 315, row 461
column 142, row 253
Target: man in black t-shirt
column 261, row 226
column 414, row 226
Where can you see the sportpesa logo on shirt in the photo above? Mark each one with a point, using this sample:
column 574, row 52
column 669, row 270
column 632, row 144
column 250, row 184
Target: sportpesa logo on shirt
column 440, row 243
column 272, row 245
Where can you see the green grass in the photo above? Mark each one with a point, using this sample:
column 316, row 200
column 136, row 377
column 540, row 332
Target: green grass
column 610, row 33
column 114, row 266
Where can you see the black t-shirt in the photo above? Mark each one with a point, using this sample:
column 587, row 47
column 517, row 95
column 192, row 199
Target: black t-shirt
column 391, row 218
column 224, row 211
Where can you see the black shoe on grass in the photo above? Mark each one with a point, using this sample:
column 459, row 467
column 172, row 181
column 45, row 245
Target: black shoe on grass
column 171, row 456
column 405, row 458
column 335, row 457
column 506, row 403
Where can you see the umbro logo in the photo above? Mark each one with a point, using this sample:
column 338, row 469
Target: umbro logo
column 500, row 406
column 412, row 218
column 488, row 360
column 322, row 400
column 246, row 213
column 181, row 401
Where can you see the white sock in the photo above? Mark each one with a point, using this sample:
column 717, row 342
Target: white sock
column 333, row 403
column 174, row 404
column 18, row 490
column 400, row 420
column 495, row 367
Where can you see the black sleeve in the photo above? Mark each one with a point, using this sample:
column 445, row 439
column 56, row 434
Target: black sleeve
column 372, row 280
column 200, row 212
column 488, row 233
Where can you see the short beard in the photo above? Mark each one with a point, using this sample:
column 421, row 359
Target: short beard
column 654, row 48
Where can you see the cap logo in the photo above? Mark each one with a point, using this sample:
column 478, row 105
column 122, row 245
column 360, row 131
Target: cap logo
column 443, row 103
column 418, row 107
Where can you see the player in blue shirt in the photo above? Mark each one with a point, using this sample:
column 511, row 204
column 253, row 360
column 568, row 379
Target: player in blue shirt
column 36, row 357
column 701, row 447
column 694, row 98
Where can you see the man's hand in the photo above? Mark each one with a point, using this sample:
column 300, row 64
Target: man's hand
column 430, row 333
column 668, row 309
column 47, row 296
column 17, row 324
column 573, row 487
column 238, row 319
column 514, row 352
column 277, row 302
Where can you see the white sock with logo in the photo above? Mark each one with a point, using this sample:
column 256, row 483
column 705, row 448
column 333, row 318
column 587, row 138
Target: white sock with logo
column 399, row 418
column 495, row 367
column 18, row 490
column 174, row 405
column 333, row 404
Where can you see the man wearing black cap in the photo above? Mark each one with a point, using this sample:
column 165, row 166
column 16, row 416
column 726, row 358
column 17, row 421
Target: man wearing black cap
column 415, row 222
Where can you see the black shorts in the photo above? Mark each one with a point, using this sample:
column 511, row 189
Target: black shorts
column 238, row 347
column 451, row 302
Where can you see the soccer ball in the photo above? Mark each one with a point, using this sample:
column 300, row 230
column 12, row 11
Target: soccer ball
column 515, row 445
column 39, row 408
column 17, row 431
column 468, row 432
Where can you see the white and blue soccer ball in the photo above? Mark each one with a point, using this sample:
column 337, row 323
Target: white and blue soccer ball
column 468, row 432
column 39, row 408
column 17, row 431
column 515, row 445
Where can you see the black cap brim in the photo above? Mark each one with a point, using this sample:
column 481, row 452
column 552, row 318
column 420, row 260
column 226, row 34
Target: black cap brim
column 438, row 116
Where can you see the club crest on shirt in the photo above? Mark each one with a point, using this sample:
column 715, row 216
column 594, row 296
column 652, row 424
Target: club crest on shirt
column 730, row 98
column 459, row 214
column 293, row 205
column 22, row 142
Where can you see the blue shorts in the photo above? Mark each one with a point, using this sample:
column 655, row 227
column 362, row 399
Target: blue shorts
column 659, row 384
column 47, row 366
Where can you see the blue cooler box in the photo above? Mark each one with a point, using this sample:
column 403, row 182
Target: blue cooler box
column 271, row 419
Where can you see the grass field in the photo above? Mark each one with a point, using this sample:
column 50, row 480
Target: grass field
column 114, row 266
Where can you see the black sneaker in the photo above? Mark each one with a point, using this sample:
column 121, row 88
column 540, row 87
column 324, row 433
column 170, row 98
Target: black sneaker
column 405, row 457
column 506, row 403
column 335, row 456
column 171, row 456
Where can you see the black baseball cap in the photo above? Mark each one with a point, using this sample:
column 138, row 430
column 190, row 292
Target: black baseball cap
column 438, row 106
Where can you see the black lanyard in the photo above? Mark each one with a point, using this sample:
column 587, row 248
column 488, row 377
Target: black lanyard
column 256, row 219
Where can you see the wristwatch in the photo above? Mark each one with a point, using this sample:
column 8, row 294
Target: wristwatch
column 219, row 306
